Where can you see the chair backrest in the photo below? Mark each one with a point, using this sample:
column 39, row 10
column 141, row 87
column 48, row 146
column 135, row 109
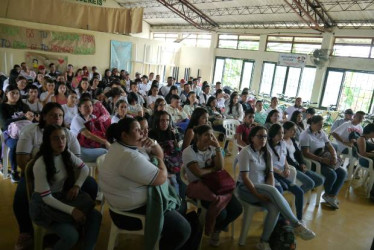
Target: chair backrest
column 100, row 161
column 29, row 178
column 230, row 127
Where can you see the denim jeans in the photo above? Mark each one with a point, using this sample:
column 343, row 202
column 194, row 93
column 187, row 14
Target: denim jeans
column 21, row 203
column 276, row 205
column 91, row 154
column 228, row 214
column 69, row 234
column 12, row 145
column 175, row 232
column 334, row 179
column 178, row 184
column 309, row 180
column 295, row 190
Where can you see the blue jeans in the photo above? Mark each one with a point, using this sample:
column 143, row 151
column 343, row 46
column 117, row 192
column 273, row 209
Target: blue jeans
column 334, row 179
column 276, row 205
column 363, row 162
column 178, row 184
column 91, row 154
column 175, row 232
column 309, row 180
column 12, row 145
column 21, row 203
column 228, row 214
column 69, row 234
column 295, row 190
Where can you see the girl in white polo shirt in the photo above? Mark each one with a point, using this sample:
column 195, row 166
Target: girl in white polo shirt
column 256, row 186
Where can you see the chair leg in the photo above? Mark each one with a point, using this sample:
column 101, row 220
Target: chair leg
column 112, row 236
column 247, row 219
column 318, row 196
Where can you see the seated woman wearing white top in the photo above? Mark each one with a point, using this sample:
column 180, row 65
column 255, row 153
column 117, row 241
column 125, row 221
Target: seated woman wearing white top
column 70, row 108
column 284, row 173
column 125, row 176
column 91, row 136
column 316, row 146
column 120, row 111
column 203, row 157
column 56, row 186
column 256, row 186
column 234, row 109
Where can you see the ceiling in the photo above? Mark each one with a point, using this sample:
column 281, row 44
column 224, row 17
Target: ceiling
column 221, row 14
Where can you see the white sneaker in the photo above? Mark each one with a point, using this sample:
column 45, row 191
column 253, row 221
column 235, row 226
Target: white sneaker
column 214, row 239
column 330, row 200
column 263, row 246
column 304, row 233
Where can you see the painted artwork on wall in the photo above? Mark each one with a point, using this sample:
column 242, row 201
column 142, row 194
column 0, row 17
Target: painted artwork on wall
column 34, row 60
column 120, row 55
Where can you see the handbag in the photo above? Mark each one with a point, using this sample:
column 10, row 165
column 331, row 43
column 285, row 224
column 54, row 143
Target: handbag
column 219, row 182
column 172, row 156
column 326, row 154
column 96, row 127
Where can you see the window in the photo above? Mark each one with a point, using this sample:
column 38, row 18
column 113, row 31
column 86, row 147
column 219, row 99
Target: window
column 293, row 44
column 165, row 37
column 348, row 89
column 236, row 73
column 289, row 81
column 353, row 47
column 196, row 40
column 244, row 42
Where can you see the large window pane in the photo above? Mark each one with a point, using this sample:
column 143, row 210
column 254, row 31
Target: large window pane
column 334, row 80
column 227, row 44
column 292, row 81
column 306, row 83
column 247, row 75
column 218, row 72
column 232, row 72
column 248, row 45
column 351, row 50
column 278, row 47
column 280, row 76
column 305, row 48
column 267, row 78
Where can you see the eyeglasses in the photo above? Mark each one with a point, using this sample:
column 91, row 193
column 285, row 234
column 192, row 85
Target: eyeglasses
column 261, row 136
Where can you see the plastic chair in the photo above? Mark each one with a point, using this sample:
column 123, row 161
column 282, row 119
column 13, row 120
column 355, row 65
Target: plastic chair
column 99, row 164
column 39, row 232
column 5, row 156
column 92, row 167
column 368, row 180
column 308, row 163
column 352, row 160
column 230, row 126
column 115, row 231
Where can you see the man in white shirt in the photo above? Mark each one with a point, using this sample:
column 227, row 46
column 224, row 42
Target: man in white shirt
column 94, row 70
column 166, row 88
column 297, row 106
column 175, row 109
column 150, row 78
column 184, row 94
column 348, row 115
column 144, row 86
column 205, row 95
column 30, row 75
column 342, row 133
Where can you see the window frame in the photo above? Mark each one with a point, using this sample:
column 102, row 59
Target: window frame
column 354, row 44
column 239, row 40
column 342, row 85
column 292, row 43
column 241, row 73
column 285, row 78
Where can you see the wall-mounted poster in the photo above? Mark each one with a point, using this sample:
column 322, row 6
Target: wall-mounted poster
column 120, row 55
column 34, row 60
column 292, row 60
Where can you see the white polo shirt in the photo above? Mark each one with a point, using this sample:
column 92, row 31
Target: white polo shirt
column 344, row 130
column 253, row 163
column 202, row 158
column 281, row 150
column 125, row 175
column 291, row 109
column 77, row 124
column 313, row 141
column 31, row 138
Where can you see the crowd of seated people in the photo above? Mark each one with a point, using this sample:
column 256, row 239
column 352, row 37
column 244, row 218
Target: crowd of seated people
column 82, row 115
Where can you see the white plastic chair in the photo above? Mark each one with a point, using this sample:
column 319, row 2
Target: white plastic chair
column 230, row 126
column 99, row 164
column 5, row 156
column 351, row 162
column 308, row 163
column 368, row 177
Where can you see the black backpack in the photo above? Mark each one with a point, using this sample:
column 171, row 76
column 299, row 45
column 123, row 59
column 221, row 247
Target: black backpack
column 283, row 237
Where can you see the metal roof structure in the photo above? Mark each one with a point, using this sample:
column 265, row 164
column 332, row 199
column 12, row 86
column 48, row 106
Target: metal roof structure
column 213, row 15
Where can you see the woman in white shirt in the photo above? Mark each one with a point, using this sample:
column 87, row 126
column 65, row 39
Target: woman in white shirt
column 57, row 187
column 153, row 96
column 190, row 104
column 32, row 99
column 235, row 109
column 256, row 186
column 70, row 108
column 134, row 108
column 120, row 111
column 91, row 136
column 313, row 142
column 126, row 174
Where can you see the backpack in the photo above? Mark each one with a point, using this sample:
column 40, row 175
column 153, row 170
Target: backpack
column 172, row 156
column 14, row 129
column 96, row 127
column 282, row 237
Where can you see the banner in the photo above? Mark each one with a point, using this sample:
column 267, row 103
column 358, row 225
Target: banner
column 292, row 60
column 16, row 37
column 120, row 55
column 34, row 60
